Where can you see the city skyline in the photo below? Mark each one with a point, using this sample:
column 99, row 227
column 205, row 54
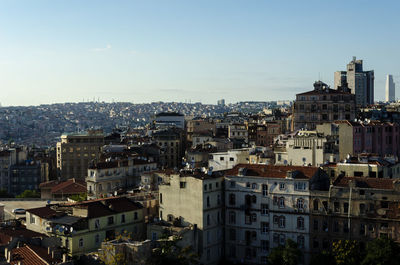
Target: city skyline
column 130, row 51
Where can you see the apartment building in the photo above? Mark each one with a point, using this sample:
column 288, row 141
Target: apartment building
column 227, row 160
column 82, row 227
column 193, row 197
column 104, row 178
column 267, row 132
column 171, row 146
column 238, row 131
column 356, row 137
column 76, row 150
column 265, row 206
column 322, row 104
column 307, row 148
column 354, row 208
column 8, row 158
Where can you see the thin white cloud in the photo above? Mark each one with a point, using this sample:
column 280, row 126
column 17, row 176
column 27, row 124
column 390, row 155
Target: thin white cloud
column 108, row 47
column 133, row 52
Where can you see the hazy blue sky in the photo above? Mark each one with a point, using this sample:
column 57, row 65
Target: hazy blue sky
column 143, row 51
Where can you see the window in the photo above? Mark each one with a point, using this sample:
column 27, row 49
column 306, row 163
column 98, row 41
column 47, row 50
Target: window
column 221, row 158
column 281, row 202
column 216, row 184
column 276, row 238
column 210, row 186
column 336, row 207
column 205, row 186
column 208, row 220
column 111, row 220
column 218, row 199
column 264, row 260
column 232, row 217
column 160, row 197
column 208, row 254
column 208, row 201
column 232, row 199
column 276, row 219
column 300, row 223
column 264, row 209
column 325, row 225
column 315, row 205
column 315, row 243
column 247, row 184
column 264, row 245
column 81, row 242
column 316, row 225
column 346, row 207
column 264, row 227
column 282, row 222
column 281, row 186
column 254, row 217
column 362, row 229
column 123, row 218
column 233, row 184
column 97, row 239
column 254, row 235
column 300, row 241
column 264, row 190
column 300, row 186
column 362, row 208
column 254, row 186
column 247, row 219
column 231, row 159
column 232, row 234
column 182, row 184
column 282, row 239
column 300, row 204
column 336, row 226
column 32, row 219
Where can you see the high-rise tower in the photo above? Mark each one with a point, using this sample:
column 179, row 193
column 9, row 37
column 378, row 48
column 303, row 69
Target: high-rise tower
column 361, row 83
column 390, row 89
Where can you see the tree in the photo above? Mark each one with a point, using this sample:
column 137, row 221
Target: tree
column 78, row 197
column 323, row 258
column 285, row 255
column 29, row 194
column 346, row 252
column 4, row 194
column 169, row 252
column 382, row 251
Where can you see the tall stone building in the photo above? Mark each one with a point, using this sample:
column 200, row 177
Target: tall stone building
column 76, row 151
column 361, row 83
column 322, row 104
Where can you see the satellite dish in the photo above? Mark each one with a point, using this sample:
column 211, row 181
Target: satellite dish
column 304, row 159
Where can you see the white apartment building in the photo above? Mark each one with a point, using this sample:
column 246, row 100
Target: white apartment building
column 265, row 206
column 227, row 160
column 106, row 177
column 195, row 198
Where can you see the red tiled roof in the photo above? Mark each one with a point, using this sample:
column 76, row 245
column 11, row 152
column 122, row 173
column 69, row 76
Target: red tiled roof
column 31, row 255
column 71, row 186
column 48, row 184
column 273, row 171
column 364, row 182
column 7, row 233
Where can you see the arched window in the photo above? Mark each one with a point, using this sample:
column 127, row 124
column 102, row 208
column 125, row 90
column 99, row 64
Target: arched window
column 282, row 221
column 281, row 202
column 81, row 242
column 300, row 204
column 315, row 205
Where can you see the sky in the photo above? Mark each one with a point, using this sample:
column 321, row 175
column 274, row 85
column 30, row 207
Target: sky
column 189, row 51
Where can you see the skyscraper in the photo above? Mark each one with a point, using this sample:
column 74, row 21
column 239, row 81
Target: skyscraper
column 390, row 89
column 361, row 83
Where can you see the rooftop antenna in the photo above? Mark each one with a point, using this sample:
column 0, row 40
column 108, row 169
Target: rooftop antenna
column 319, row 76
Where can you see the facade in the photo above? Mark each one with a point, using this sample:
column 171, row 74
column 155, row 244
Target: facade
column 171, row 144
column 354, row 208
column 307, row 148
column 104, row 178
column 361, row 83
column 381, row 138
column 227, row 160
column 76, row 151
column 82, row 227
column 196, row 198
column 322, row 105
column 390, row 89
column 238, row 131
column 8, row 158
column 170, row 119
column 267, row 132
column 25, row 176
column 265, row 206
column 199, row 126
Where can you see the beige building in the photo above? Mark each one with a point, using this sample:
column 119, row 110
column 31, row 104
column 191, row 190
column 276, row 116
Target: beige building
column 196, row 198
column 76, row 151
column 83, row 226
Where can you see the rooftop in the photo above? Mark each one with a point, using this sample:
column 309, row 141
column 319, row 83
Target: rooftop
column 256, row 170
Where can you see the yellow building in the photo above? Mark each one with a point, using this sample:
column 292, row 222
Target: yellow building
column 76, row 151
column 83, row 226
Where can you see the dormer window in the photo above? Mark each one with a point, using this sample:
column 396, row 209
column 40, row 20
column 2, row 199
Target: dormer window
column 281, row 186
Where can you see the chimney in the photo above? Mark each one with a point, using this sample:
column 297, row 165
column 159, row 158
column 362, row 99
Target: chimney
column 64, row 258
